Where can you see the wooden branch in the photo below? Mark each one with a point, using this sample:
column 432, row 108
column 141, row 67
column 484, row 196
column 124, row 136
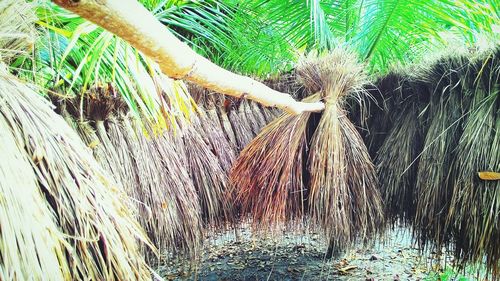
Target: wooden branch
column 129, row 20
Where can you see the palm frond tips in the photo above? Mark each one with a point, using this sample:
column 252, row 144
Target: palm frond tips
column 89, row 208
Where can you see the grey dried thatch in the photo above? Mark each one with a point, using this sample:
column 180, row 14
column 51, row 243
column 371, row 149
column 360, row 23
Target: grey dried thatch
column 168, row 191
column 98, row 232
column 397, row 137
column 149, row 169
column 439, row 130
column 446, row 111
column 474, row 212
column 17, row 29
column 208, row 176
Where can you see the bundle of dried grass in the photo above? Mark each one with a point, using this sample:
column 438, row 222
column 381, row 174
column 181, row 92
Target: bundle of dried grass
column 167, row 192
column 239, row 122
column 17, row 29
column 344, row 199
column 205, row 171
column 150, row 170
column 278, row 179
column 447, row 109
column 210, row 123
column 95, row 217
column 397, row 151
column 227, row 128
column 253, row 116
column 32, row 244
column 474, row 213
column 267, row 178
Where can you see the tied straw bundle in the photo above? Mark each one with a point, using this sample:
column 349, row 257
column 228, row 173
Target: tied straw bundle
column 314, row 165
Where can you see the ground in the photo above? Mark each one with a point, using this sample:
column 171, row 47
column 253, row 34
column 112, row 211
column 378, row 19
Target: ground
column 301, row 257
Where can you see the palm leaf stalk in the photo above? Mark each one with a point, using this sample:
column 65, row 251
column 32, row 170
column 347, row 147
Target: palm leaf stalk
column 174, row 57
column 74, row 55
column 299, row 167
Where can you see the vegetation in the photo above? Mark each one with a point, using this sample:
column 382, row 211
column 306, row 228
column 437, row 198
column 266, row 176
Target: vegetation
column 153, row 167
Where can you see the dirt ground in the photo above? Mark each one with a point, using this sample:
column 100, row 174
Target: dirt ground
column 301, row 257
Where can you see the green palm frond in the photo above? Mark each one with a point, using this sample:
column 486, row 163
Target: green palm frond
column 75, row 55
column 391, row 30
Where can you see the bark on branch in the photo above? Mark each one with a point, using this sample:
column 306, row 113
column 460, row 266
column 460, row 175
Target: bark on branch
column 129, row 20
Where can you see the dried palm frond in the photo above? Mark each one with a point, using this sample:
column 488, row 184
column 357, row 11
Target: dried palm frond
column 170, row 201
column 208, row 176
column 267, row 178
column 337, row 185
column 209, row 122
column 227, row 127
column 90, row 209
column 397, row 156
column 17, row 29
column 241, row 127
column 269, row 113
column 32, row 244
column 447, row 109
column 253, row 116
column 474, row 212
column 344, row 199
column 150, row 171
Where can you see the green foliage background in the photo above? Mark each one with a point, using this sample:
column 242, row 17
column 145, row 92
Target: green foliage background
column 261, row 38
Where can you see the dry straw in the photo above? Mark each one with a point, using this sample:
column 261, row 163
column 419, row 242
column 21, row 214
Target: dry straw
column 96, row 218
column 150, row 169
column 440, row 128
column 314, row 165
column 209, row 178
column 474, row 213
column 398, row 149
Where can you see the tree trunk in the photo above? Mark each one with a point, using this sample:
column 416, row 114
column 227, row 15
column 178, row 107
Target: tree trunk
column 129, row 20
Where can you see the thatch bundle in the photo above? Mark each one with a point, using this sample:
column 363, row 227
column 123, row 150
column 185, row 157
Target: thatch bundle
column 97, row 233
column 278, row 178
column 446, row 110
column 395, row 138
column 149, row 168
column 436, row 129
column 204, row 168
column 170, row 193
column 17, row 29
column 474, row 209
column 209, row 122
column 239, row 121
